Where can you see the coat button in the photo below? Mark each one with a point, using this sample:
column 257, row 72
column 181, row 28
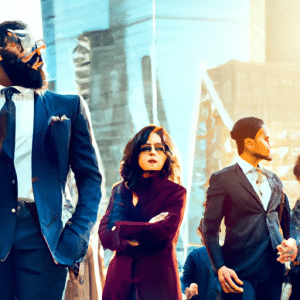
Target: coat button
column 35, row 179
column 13, row 210
column 13, row 181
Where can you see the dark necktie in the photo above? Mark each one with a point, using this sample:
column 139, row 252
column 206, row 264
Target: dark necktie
column 8, row 122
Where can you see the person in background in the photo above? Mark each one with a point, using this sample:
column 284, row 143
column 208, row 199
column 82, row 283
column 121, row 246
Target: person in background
column 294, row 274
column 42, row 136
column 199, row 281
column 254, row 206
column 142, row 221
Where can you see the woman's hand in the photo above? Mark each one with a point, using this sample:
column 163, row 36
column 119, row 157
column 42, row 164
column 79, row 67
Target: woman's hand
column 159, row 217
column 132, row 243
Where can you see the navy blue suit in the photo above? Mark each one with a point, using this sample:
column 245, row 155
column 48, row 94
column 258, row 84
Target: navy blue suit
column 58, row 144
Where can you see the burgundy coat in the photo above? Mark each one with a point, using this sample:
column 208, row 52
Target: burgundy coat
column 151, row 266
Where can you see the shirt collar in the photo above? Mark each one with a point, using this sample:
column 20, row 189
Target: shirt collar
column 244, row 165
column 25, row 92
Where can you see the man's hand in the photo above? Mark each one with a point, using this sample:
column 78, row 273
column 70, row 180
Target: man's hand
column 159, row 217
column 191, row 291
column 228, row 285
column 287, row 250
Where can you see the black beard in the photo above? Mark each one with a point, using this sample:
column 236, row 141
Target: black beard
column 263, row 157
column 22, row 75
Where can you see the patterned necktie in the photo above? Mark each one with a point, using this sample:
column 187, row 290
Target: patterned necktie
column 259, row 180
column 7, row 122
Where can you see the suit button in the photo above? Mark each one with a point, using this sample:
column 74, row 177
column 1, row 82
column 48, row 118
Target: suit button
column 13, row 210
column 13, row 181
column 35, row 179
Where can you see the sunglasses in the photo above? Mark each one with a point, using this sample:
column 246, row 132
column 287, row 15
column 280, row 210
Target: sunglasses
column 147, row 148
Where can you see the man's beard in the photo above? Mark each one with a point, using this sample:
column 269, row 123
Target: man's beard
column 263, row 157
column 22, row 75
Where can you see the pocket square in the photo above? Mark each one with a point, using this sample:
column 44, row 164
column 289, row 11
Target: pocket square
column 54, row 119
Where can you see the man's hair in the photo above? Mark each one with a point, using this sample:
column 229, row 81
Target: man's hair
column 297, row 168
column 200, row 227
column 245, row 128
column 4, row 26
column 130, row 169
column 9, row 59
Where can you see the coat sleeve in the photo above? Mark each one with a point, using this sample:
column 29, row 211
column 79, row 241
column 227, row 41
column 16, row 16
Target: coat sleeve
column 110, row 237
column 189, row 273
column 295, row 222
column 213, row 215
column 161, row 230
column 285, row 218
column 83, row 161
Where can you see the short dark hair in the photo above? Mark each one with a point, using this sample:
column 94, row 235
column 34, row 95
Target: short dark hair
column 15, row 25
column 200, row 227
column 4, row 26
column 131, row 171
column 297, row 168
column 245, row 128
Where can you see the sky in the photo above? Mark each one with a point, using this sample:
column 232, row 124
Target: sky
column 28, row 11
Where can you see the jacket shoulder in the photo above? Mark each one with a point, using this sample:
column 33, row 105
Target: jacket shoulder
column 57, row 101
column 224, row 172
column 60, row 105
column 49, row 95
column 116, row 184
column 175, row 186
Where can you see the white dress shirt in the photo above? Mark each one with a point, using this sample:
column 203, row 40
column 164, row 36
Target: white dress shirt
column 251, row 174
column 24, row 103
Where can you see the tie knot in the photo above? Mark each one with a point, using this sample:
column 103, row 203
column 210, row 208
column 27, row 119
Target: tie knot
column 8, row 92
column 260, row 175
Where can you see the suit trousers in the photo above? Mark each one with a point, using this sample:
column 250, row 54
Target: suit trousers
column 295, row 280
column 256, row 290
column 29, row 272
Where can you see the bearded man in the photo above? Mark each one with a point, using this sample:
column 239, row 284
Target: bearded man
column 42, row 136
column 256, row 215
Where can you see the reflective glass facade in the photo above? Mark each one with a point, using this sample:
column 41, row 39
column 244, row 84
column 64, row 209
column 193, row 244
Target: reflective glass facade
column 145, row 59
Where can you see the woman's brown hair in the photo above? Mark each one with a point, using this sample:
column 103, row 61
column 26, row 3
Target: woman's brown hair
column 130, row 169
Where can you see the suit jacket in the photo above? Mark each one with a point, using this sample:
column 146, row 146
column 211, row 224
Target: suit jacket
column 58, row 144
column 198, row 269
column 251, row 231
column 295, row 233
column 151, row 266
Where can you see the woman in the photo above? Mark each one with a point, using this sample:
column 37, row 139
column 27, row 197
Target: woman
column 142, row 221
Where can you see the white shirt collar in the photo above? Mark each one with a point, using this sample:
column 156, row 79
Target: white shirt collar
column 245, row 166
column 25, row 92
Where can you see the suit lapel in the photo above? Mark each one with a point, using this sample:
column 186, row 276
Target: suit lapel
column 276, row 189
column 246, row 184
